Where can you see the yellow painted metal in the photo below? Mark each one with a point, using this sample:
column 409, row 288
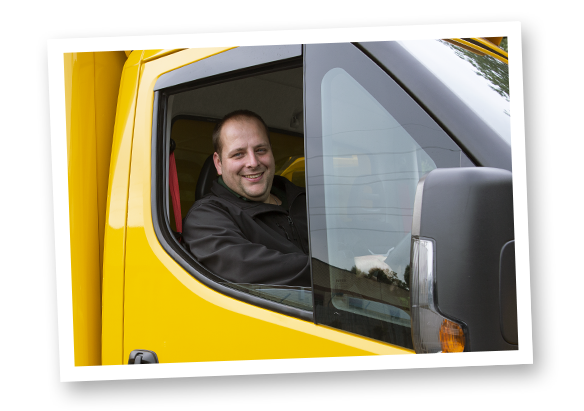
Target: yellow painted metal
column 485, row 47
column 495, row 40
column 108, row 70
column 85, row 273
column 115, row 227
column 91, row 88
column 182, row 320
column 493, row 49
column 150, row 55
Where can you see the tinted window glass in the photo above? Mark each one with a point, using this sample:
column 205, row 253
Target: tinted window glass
column 368, row 145
column 371, row 169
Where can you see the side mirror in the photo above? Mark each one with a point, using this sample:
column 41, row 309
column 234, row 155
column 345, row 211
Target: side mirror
column 463, row 292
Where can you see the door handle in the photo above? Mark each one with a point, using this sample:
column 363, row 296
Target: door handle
column 143, row 357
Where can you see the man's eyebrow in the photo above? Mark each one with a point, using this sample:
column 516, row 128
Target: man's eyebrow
column 238, row 149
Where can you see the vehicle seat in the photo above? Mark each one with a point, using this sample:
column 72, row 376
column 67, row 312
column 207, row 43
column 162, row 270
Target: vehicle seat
column 206, row 177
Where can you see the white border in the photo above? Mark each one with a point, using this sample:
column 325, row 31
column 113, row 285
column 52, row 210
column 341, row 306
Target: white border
column 69, row 372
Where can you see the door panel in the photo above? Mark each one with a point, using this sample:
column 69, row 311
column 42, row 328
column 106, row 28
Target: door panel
column 167, row 310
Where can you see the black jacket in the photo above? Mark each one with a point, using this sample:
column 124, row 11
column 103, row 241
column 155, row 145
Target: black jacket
column 248, row 241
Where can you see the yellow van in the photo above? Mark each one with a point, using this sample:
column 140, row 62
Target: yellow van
column 404, row 151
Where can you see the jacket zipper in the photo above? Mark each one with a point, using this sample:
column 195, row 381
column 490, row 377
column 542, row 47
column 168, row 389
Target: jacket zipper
column 296, row 240
column 285, row 232
column 295, row 233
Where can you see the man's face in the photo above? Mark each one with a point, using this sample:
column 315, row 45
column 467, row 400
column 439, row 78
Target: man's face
column 246, row 163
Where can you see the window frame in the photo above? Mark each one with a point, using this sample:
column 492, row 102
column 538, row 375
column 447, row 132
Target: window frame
column 230, row 65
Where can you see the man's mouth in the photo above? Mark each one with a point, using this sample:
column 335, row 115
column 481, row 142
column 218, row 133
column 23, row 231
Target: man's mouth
column 253, row 176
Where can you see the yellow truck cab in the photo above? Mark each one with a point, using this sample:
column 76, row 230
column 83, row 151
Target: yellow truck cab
column 408, row 181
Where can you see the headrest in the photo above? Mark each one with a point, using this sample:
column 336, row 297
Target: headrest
column 206, row 177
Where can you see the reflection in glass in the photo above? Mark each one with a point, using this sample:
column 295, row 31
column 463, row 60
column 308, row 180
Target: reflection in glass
column 371, row 169
column 491, row 69
column 297, row 297
column 482, row 82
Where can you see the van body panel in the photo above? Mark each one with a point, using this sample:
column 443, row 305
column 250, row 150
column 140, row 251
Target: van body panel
column 83, row 209
column 150, row 55
column 108, row 72
column 115, row 228
column 91, row 89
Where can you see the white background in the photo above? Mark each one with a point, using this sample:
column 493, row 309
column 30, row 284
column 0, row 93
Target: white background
column 17, row 299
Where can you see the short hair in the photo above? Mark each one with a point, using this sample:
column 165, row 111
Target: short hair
column 237, row 114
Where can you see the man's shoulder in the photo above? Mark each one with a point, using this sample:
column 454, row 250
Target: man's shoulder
column 209, row 201
column 218, row 200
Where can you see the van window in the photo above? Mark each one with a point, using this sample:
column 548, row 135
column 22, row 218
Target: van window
column 191, row 111
column 369, row 145
column 371, row 169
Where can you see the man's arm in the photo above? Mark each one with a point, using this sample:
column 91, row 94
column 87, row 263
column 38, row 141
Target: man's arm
column 218, row 243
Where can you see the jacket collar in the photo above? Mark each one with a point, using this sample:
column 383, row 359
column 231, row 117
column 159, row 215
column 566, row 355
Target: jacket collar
column 280, row 183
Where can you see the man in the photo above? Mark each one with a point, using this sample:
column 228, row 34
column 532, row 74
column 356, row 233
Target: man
column 252, row 227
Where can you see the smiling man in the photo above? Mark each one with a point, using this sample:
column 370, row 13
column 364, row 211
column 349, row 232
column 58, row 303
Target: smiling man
column 252, row 227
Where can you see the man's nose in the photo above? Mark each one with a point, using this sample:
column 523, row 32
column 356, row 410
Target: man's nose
column 252, row 160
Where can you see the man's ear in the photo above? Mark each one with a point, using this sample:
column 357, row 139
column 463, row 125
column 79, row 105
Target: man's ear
column 217, row 161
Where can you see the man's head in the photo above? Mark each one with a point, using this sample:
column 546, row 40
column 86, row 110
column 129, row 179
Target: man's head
column 243, row 154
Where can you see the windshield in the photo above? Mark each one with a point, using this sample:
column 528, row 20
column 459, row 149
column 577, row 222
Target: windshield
column 482, row 82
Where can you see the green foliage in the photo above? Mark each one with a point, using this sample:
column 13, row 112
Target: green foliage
column 503, row 44
column 383, row 276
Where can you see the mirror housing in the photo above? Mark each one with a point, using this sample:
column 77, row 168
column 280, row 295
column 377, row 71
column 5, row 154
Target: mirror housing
column 469, row 273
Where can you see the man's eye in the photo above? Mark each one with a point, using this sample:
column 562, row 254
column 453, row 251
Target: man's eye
column 238, row 155
column 261, row 150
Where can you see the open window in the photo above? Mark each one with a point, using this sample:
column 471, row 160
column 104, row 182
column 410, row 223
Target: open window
column 188, row 103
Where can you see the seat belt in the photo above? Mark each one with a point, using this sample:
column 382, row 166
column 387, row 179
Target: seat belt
column 174, row 191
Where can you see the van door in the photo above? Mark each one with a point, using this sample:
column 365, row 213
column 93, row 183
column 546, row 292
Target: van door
column 173, row 306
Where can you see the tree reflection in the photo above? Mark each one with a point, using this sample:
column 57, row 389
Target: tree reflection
column 495, row 71
column 384, row 276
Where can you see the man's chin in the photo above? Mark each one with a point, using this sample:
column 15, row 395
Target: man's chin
column 259, row 198
column 259, row 195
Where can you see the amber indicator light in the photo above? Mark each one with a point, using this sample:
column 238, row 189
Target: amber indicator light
column 451, row 337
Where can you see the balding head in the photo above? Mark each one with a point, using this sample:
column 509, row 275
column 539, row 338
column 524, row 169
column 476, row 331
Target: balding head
column 238, row 115
column 243, row 156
